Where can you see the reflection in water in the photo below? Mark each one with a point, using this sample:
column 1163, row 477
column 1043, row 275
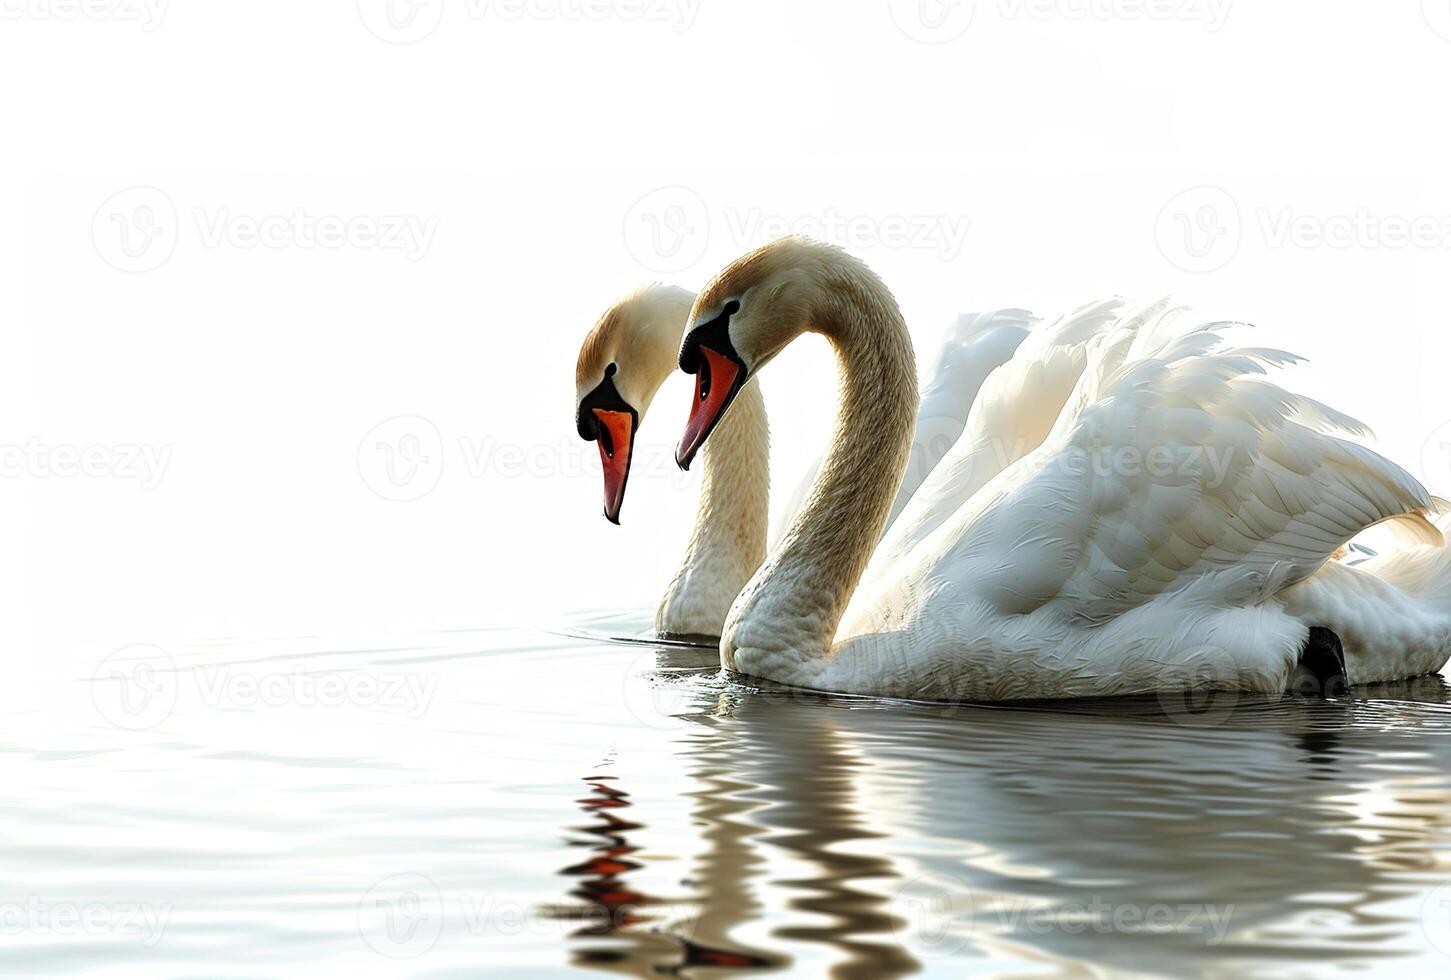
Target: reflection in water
column 1236, row 836
column 732, row 830
column 612, row 908
column 610, row 905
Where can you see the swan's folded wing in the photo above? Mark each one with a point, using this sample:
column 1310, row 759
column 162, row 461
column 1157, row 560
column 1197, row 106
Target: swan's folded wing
column 975, row 346
column 1194, row 465
column 1014, row 410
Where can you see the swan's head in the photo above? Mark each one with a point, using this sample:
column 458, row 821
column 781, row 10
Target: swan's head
column 744, row 318
column 622, row 363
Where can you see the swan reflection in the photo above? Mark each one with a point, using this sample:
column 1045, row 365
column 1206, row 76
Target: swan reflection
column 868, row 838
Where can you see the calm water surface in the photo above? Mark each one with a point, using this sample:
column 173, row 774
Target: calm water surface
column 525, row 803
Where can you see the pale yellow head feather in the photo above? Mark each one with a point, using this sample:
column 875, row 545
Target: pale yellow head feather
column 639, row 335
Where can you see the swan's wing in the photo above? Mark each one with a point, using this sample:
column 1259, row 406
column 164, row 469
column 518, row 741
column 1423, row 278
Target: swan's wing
column 1191, row 471
column 975, row 345
column 1014, row 411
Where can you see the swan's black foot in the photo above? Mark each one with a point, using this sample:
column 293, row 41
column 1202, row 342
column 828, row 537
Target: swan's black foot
column 1321, row 670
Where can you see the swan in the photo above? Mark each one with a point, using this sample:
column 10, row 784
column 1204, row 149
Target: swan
column 627, row 356
column 1061, row 577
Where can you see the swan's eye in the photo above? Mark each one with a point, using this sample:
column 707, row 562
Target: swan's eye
column 611, row 369
column 731, row 308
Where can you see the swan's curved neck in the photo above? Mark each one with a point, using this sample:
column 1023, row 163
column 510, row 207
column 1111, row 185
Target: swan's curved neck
column 728, row 543
column 791, row 608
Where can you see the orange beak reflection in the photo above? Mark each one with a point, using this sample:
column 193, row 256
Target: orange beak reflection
column 716, row 384
column 617, row 443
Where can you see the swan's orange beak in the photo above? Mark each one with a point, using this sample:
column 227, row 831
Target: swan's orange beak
column 617, row 444
column 718, row 378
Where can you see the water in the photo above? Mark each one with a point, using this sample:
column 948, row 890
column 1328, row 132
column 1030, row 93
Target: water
column 523, row 803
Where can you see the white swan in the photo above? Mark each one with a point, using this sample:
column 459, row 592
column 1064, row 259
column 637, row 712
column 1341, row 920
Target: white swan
column 630, row 352
column 1201, row 555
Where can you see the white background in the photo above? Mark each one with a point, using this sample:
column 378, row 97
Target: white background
column 563, row 151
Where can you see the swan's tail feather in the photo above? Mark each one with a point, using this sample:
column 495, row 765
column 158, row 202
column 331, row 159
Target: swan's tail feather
column 1421, row 567
column 1415, row 529
column 968, row 326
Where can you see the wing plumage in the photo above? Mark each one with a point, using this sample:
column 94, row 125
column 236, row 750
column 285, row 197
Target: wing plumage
column 974, row 346
column 1014, row 411
column 1195, row 463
